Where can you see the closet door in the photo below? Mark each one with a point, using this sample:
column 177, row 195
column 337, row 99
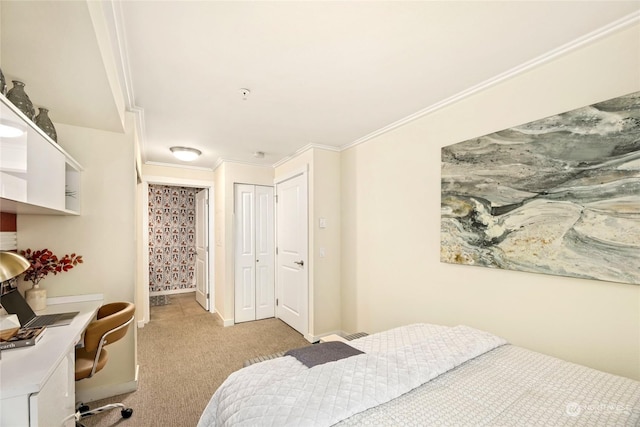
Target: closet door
column 265, row 259
column 245, row 259
column 254, row 253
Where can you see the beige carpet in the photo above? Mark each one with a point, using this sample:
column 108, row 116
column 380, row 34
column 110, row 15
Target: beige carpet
column 184, row 354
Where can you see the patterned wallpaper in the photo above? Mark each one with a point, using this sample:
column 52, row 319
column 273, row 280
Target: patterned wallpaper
column 172, row 238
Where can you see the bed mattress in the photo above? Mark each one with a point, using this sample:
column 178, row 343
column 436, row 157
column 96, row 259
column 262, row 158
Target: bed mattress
column 421, row 375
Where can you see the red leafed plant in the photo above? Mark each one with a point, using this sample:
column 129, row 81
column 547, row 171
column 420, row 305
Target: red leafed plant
column 44, row 262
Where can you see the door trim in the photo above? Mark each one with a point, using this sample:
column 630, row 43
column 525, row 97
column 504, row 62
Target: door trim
column 142, row 288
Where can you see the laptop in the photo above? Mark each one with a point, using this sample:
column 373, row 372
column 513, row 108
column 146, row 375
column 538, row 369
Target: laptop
column 14, row 303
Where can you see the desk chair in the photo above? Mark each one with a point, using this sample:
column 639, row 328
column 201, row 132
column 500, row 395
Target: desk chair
column 110, row 325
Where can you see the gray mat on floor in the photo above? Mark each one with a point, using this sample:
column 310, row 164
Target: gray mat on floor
column 281, row 353
column 157, row 300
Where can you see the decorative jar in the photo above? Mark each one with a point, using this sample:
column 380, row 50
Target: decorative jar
column 20, row 99
column 44, row 122
column 36, row 297
column 3, row 83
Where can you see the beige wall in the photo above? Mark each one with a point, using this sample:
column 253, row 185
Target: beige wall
column 226, row 175
column 104, row 234
column 326, row 271
column 324, row 202
column 220, row 243
column 391, row 274
column 176, row 172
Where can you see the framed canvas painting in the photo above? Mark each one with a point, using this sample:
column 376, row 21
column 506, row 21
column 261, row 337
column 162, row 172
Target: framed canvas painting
column 560, row 195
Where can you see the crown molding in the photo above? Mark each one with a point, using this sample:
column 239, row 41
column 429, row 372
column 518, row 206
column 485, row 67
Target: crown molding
column 592, row 37
column 220, row 161
column 120, row 47
column 304, row 149
column 121, row 51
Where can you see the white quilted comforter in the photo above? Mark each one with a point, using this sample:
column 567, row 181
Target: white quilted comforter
column 506, row 386
column 283, row 391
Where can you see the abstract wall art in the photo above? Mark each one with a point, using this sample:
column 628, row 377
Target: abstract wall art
column 557, row 196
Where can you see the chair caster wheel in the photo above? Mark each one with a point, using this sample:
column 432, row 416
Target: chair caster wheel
column 126, row 413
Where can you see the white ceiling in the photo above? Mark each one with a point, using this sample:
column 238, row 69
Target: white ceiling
column 319, row 72
column 51, row 46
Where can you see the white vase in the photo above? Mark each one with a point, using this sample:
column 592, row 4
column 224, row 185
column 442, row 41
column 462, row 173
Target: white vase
column 36, row 297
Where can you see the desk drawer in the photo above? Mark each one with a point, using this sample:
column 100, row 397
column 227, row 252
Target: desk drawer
column 54, row 405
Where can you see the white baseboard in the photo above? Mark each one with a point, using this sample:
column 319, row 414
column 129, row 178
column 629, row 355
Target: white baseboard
column 316, row 338
column 97, row 393
column 225, row 322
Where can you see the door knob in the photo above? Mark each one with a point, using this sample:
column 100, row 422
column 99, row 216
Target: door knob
column 300, row 263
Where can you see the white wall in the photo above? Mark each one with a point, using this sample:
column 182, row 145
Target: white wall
column 391, row 273
column 324, row 202
column 220, row 271
column 226, row 175
column 104, row 234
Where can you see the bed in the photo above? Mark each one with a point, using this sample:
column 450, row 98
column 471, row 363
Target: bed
column 420, row 375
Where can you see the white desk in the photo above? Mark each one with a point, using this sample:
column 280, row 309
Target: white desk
column 37, row 384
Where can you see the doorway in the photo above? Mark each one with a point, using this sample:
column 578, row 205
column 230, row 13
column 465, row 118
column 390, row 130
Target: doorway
column 177, row 242
column 185, row 253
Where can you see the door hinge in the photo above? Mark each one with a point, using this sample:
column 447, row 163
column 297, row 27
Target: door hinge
column 276, row 196
column 276, row 250
column 207, row 295
column 276, row 302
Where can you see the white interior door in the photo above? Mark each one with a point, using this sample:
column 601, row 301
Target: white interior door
column 291, row 241
column 254, row 253
column 202, row 248
column 265, row 249
column 245, row 254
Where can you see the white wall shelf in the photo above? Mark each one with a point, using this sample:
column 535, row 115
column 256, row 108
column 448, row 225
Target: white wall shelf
column 37, row 176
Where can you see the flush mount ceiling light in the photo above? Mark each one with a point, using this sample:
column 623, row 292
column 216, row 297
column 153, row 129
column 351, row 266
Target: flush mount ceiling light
column 185, row 154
